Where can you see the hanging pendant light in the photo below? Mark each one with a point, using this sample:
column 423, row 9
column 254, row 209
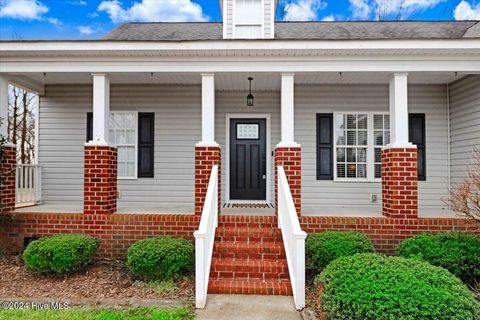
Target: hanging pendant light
column 250, row 95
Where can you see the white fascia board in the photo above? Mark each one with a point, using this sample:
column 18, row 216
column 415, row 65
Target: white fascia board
column 251, row 45
column 217, row 65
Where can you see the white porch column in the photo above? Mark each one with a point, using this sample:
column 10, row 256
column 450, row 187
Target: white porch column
column 287, row 111
column 4, row 107
column 399, row 111
column 101, row 109
column 208, row 110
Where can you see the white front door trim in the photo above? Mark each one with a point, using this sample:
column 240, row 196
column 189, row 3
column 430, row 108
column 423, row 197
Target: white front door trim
column 230, row 116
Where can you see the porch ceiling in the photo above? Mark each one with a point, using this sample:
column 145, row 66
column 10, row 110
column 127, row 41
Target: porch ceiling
column 235, row 81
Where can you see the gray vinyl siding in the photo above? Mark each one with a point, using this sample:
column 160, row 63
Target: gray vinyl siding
column 177, row 128
column 464, row 124
column 313, row 99
column 267, row 102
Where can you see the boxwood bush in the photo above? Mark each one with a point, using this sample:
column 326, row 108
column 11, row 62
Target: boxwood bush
column 61, row 253
column 160, row 258
column 457, row 252
column 373, row 287
column 323, row 248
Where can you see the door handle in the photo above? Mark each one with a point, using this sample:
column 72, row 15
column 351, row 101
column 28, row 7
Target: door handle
column 264, row 177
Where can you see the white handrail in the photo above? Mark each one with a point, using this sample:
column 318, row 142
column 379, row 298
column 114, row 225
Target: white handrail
column 293, row 239
column 28, row 184
column 204, row 238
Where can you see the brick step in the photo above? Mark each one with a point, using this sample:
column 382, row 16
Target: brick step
column 248, row 234
column 241, row 221
column 249, row 269
column 266, row 287
column 249, row 250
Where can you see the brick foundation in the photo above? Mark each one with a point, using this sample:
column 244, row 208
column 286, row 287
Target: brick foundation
column 7, row 193
column 291, row 160
column 205, row 159
column 399, row 183
column 100, row 180
column 115, row 231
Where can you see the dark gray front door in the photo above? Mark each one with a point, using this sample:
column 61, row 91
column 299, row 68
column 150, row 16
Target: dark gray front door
column 248, row 159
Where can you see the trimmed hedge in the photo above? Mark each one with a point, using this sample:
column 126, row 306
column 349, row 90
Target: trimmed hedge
column 161, row 258
column 323, row 248
column 457, row 252
column 61, row 253
column 375, row 287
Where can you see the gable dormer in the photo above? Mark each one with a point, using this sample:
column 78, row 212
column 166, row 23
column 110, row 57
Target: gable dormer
column 248, row 19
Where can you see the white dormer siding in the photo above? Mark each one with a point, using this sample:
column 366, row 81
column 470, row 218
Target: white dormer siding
column 248, row 19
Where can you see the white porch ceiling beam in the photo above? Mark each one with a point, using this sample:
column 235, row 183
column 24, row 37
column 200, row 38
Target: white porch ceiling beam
column 28, row 84
column 399, row 111
column 101, row 109
column 219, row 65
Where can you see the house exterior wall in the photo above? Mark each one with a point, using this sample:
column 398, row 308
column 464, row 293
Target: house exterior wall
column 312, row 99
column 464, row 124
column 178, row 127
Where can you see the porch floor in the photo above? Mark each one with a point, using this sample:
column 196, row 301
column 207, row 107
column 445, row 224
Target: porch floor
column 375, row 212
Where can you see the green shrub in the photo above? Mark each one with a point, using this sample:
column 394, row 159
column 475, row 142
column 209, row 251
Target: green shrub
column 373, row 287
column 160, row 258
column 323, row 248
column 457, row 252
column 60, row 254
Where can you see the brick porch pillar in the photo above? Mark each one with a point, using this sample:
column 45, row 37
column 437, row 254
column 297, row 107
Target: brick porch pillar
column 399, row 183
column 100, row 180
column 205, row 159
column 291, row 160
column 7, row 193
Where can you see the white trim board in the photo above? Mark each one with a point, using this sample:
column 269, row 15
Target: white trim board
column 267, row 117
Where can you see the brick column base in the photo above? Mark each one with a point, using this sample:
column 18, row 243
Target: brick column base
column 7, row 191
column 291, row 160
column 100, row 180
column 400, row 183
column 205, row 159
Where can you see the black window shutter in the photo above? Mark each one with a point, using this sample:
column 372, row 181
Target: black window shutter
column 89, row 126
column 416, row 132
column 146, row 132
column 325, row 146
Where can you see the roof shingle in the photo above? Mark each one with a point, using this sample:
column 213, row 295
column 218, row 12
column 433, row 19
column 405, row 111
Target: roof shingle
column 362, row 30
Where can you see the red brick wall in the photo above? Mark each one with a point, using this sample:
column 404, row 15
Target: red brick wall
column 387, row 233
column 399, row 183
column 116, row 231
column 205, row 159
column 291, row 160
column 7, row 193
column 100, row 180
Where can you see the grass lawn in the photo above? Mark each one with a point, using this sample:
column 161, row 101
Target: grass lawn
column 98, row 314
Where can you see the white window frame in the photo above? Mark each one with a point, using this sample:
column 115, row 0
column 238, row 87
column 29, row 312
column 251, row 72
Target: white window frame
column 370, row 147
column 135, row 113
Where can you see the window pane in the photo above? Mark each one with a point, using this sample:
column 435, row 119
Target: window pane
column 351, row 155
column 387, row 137
column 341, row 170
column 378, row 121
column 362, row 138
column 378, row 170
column 378, row 138
column 121, row 169
column 362, row 171
column 378, row 154
column 340, row 122
column 362, row 121
column 387, row 122
column 341, row 154
column 351, row 170
column 351, row 138
column 120, row 137
column 361, row 155
column 351, row 121
column 122, row 154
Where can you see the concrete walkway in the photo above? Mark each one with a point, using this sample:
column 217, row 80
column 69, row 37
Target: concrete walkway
column 248, row 307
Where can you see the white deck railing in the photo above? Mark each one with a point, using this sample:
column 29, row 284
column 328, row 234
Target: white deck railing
column 28, row 184
column 204, row 238
column 293, row 239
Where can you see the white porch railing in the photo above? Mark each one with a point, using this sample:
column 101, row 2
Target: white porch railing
column 204, row 238
column 28, row 184
column 293, row 239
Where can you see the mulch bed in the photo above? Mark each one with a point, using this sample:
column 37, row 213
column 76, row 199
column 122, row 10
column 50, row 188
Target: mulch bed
column 103, row 279
column 312, row 294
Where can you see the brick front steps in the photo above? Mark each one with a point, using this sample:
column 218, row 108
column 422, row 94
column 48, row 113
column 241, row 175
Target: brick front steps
column 249, row 257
